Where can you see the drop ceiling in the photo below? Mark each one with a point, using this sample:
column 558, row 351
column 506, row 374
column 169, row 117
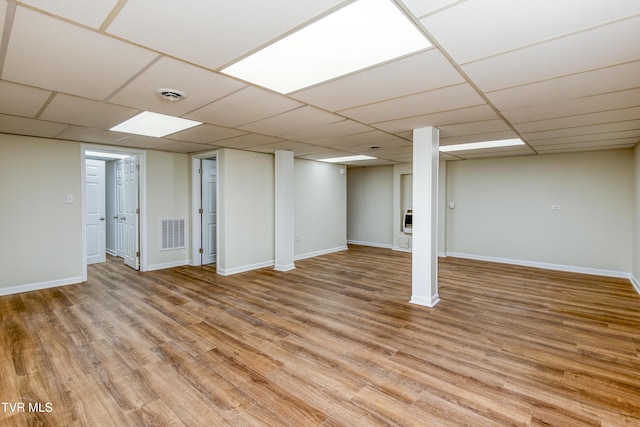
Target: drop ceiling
column 562, row 75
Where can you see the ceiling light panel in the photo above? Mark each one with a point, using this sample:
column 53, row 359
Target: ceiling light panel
column 154, row 124
column 481, row 145
column 348, row 159
column 360, row 35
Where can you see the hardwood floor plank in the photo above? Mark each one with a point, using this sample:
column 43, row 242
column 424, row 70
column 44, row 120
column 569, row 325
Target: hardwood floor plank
column 334, row 342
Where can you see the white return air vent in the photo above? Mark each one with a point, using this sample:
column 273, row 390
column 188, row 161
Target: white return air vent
column 173, row 233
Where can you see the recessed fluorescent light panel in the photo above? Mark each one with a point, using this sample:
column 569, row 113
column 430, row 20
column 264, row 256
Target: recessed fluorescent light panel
column 105, row 155
column 347, row 159
column 154, row 124
column 360, row 35
column 480, row 145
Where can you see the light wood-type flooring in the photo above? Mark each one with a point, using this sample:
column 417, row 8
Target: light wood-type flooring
column 333, row 343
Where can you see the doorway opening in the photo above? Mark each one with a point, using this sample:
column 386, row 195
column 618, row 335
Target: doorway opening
column 205, row 209
column 111, row 202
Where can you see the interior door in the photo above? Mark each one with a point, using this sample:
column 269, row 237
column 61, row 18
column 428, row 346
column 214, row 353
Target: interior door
column 131, row 213
column 95, row 211
column 209, row 211
column 119, row 217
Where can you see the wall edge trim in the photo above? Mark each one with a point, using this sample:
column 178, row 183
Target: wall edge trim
column 40, row 285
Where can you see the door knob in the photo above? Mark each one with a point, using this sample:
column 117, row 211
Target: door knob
column 101, row 218
column 123, row 218
column 115, row 217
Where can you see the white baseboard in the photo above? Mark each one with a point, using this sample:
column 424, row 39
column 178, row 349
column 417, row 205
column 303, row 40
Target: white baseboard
column 635, row 283
column 243, row 268
column 283, row 268
column 372, row 244
column 427, row 302
column 167, row 265
column 42, row 285
column 318, row 253
column 399, row 249
column 546, row 266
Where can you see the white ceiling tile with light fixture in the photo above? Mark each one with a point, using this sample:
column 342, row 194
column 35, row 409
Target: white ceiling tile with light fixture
column 329, row 78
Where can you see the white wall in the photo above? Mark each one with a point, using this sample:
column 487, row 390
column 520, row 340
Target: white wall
column 41, row 233
column 245, row 211
column 167, row 178
column 369, row 206
column 503, row 210
column 636, row 217
column 320, row 208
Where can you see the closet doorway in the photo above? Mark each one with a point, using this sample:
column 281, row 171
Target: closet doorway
column 205, row 209
column 111, row 205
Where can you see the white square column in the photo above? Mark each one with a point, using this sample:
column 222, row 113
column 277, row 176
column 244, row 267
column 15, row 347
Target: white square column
column 284, row 183
column 424, row 277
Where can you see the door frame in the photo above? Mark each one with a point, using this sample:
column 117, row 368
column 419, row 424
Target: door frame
column 142, row 195
column 196, row 199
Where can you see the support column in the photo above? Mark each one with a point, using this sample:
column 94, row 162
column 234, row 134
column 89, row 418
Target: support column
column 284, row 239
column 424, row 278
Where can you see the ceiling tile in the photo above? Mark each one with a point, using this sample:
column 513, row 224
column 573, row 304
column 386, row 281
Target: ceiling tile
column 633, row 136
column 609, row 79
column 139, row 141
column 85, row 134
column 85, row 112
column 246, row 141
column 332, row 130
column 30, row 127
column 421, row 7
column 521, row 150
column 372, row 138
column 205, row 134
column 201, row 87
column 463, row 115
column 59, row 56
column 417, row 73
column 292, row 121
column 298, row 148
column 629, row 125
column 19, row 100
column 496, row 26
column 185, row 147
column 590, row 104
column 3, row 12
column 474, row 128
column 245, row 106
column 559, row 57
column 449, row 98
column 87, row 12
column 209, row 33
column 588, row 146
column 580, row 120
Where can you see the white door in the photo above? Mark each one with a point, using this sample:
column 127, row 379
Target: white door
column 95, row 211
column 209, row 177
column 119, row 217
column 131, row 211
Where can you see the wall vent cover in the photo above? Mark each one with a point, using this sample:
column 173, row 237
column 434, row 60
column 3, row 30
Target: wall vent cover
column 173, row 236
